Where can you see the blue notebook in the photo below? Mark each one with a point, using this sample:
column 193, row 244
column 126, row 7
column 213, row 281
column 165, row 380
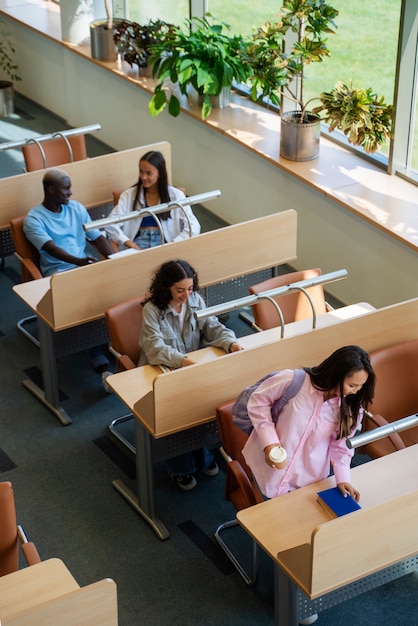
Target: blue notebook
column 335, row 504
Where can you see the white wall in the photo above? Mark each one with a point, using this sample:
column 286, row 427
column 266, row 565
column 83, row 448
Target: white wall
column 381, row 270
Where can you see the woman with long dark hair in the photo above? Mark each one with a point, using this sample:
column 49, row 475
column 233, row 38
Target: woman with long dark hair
column 151, row 190
column 313, row 427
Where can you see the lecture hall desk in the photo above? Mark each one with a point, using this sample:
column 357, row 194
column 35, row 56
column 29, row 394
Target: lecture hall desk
column 319, row 563
column 137, row 384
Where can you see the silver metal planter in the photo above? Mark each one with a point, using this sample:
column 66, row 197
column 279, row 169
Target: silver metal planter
column 6, row 98
column 299, row 141
column 101, row 41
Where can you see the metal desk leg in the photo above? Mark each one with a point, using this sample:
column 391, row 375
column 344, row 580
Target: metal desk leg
column 286, row 606
column 49, row 395
column 143, row 502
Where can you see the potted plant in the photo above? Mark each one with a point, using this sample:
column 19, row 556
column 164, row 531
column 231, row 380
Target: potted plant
column 8, row 66
column 133, row 41
column 206, row 58
column 278, row 55
column 360, row 114
column 101, row 36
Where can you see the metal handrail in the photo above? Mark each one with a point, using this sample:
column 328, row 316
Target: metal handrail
column 301, row 285
column 159, row 208
column 63, row 133
column 382, row 431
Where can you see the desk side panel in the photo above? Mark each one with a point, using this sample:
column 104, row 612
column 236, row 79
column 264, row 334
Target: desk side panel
column 188, row 396
column 384, row 535
column 85, row 293
column 34, row 585
column 94, row 605
column 93, row 180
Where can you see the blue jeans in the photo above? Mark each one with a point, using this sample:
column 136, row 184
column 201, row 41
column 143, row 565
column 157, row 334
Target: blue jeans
column 190, row 462
column 98, row 360
column 148, row 238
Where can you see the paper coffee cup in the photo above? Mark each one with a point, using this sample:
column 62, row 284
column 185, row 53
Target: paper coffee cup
column 278, row 456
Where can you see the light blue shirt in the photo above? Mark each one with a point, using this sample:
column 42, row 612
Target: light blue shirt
column 65, row 229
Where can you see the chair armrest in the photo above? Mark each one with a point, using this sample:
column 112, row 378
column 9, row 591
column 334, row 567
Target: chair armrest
column 30, row 553
column 248, row 491
column 125, row 363
column 28, row 548
column 31, row 270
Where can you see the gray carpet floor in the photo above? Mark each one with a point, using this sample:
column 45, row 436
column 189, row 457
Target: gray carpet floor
column 65, row 500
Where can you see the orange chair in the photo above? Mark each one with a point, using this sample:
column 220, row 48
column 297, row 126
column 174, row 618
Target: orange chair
column 25, row 250
column 57, row 151
column 294, row 306
column 240, row 487
column 396, row 396
column 124, row 323
column 12, row 536
column 30, row 267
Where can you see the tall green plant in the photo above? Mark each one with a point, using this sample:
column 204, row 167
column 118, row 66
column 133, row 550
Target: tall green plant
column 6, row 55
column 278, row 53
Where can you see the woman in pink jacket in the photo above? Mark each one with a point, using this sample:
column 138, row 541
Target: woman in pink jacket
column 313, row 426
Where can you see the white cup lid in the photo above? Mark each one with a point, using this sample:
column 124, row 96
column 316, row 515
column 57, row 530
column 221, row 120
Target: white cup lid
column 278, row 454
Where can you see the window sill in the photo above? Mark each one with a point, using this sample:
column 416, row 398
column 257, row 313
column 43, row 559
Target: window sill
column 387, row 202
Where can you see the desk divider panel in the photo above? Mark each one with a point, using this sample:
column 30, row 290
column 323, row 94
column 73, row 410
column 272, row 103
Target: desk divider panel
column 83, row 294
column 93, row 180
column 384, row 535
column 88, row 606
column 188, row 396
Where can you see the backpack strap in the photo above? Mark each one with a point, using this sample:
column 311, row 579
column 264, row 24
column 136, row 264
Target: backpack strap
column 290, row 392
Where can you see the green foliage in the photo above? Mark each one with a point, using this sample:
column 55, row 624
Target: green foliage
column 6, row 56
column 359, row 113
column 206, row 58
column 278, row 52
column 133, row 40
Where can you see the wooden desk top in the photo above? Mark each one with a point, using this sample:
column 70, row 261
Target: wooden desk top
column 289, row 520
column 34, row 585
column 134, row 384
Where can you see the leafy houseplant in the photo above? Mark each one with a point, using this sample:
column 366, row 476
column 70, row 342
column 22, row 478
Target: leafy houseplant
column 278, row 55
column 205, row 58
column 6, row 55
column 8, row 66
column 134, row 40
column 359, row 113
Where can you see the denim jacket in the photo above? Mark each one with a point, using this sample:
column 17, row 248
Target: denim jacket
column 164, row 342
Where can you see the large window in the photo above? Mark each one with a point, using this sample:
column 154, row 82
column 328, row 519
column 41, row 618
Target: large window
column 364, row 49
column 167, row 10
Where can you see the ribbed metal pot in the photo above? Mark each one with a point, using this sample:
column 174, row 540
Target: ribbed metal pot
column 299, row 141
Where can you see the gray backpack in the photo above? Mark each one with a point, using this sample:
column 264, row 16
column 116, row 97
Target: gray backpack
column 239, row 411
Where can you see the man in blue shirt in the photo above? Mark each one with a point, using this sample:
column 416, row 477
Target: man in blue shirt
column 55, row 228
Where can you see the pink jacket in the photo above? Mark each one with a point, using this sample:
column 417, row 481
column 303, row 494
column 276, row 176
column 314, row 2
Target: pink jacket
column 307, row 428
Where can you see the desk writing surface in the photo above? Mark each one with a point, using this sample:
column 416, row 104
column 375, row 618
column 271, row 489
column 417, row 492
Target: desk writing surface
column 33, row 291
column 34, row 585
column 289, row 520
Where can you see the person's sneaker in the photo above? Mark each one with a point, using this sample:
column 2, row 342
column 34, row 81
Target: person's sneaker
column 187, row 482
column 309, row 620
column 212, row 470
column 105, row 383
